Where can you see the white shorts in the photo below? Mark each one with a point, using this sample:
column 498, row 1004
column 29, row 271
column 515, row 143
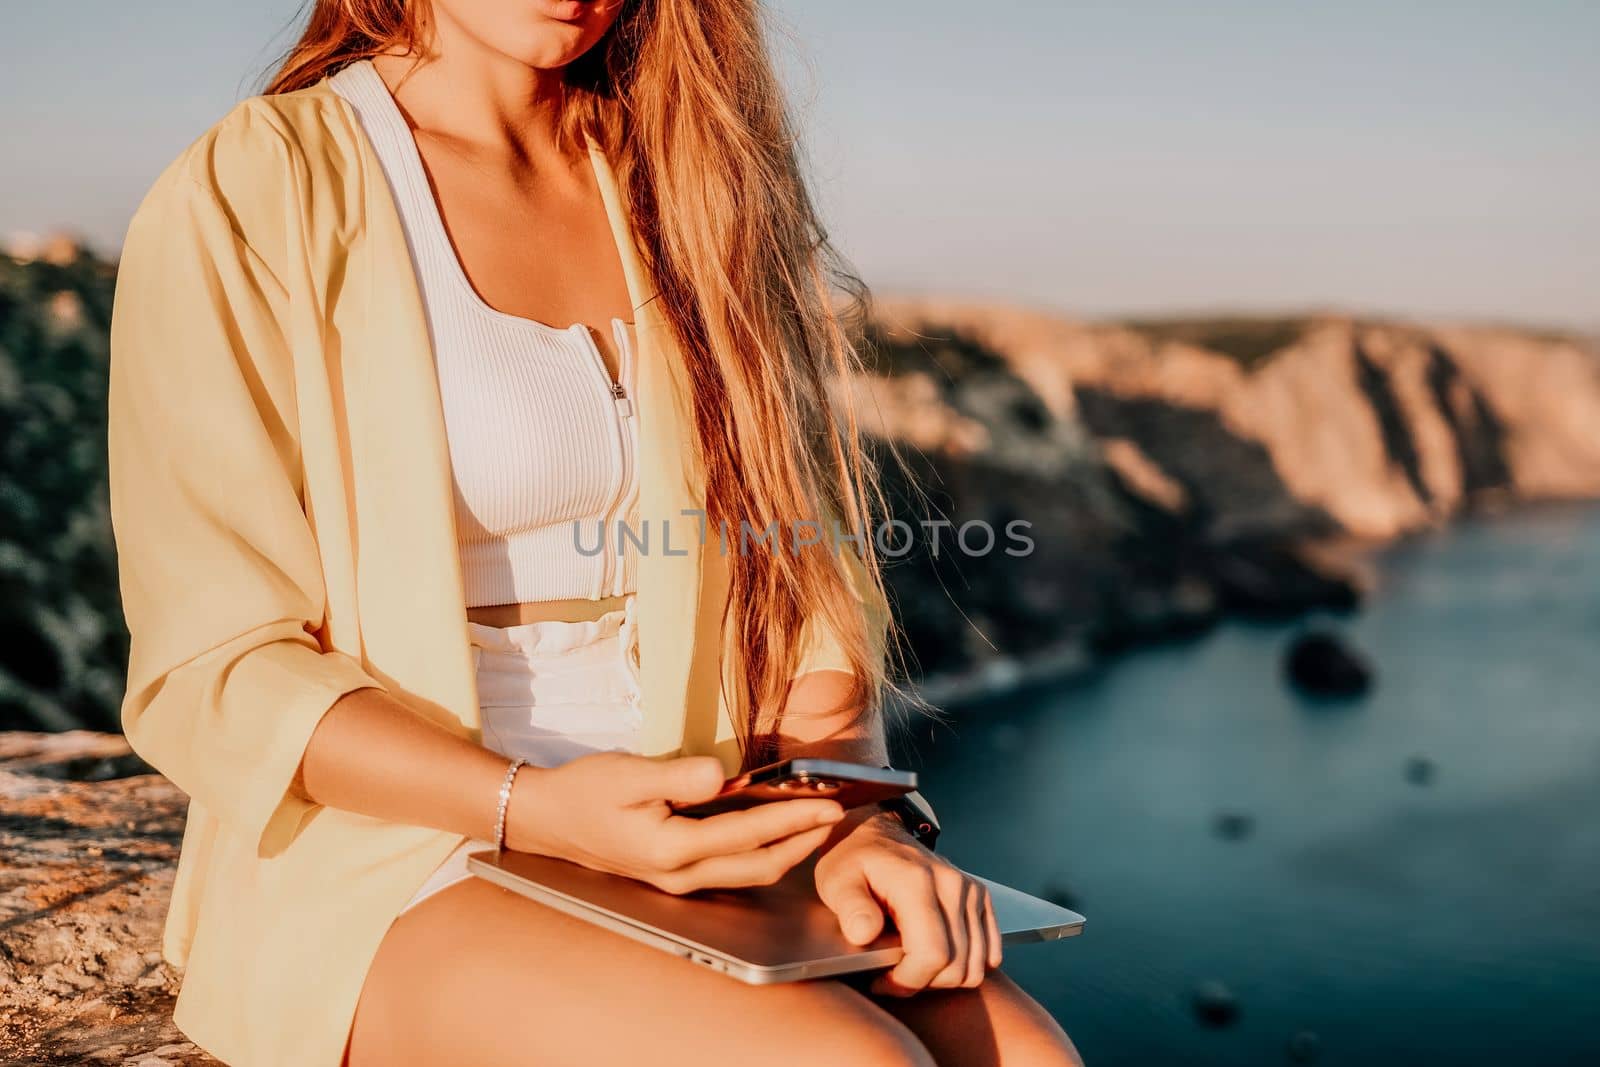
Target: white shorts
column 550, row 692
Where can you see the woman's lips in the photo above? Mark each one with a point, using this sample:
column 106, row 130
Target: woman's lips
column 568, row 10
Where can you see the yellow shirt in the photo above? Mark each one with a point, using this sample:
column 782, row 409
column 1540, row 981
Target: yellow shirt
column 281, row 499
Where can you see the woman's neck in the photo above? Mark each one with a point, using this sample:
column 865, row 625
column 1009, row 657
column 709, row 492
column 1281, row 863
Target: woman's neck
column 456, row 89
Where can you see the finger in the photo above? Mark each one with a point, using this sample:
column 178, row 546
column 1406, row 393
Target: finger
column 685, row 780
column 992, row 921
column 847, row 896
column 954, row 891
column 909, row 894
column 977, row 935
column 762, row 866
column 685, row 841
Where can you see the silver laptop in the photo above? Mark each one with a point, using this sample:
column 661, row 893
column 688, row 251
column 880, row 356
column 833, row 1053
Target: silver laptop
column 777, row 933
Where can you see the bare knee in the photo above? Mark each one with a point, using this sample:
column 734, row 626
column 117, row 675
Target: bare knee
column 881, row 1043
column 1024, row 1031
column 892, row 1051
column 1039, row 1049
column 993, row 1025
column 838, row 1025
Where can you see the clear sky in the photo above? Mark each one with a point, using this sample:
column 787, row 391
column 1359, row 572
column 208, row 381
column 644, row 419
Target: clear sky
column 1431, row 157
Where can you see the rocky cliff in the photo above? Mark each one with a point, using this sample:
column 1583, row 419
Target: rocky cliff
column 1172, row 470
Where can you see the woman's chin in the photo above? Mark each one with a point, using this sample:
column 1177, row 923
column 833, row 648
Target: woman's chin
column 549, row 44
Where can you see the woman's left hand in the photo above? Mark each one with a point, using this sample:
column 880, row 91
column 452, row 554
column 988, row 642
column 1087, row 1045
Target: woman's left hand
column 944, row 916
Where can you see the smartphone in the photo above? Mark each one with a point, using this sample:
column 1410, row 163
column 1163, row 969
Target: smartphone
column 851, row 784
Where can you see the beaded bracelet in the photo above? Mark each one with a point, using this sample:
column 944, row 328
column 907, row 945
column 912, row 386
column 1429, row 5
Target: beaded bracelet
column 505, row 801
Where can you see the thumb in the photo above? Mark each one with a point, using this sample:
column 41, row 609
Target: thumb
column 847, row 896
column 684, row 780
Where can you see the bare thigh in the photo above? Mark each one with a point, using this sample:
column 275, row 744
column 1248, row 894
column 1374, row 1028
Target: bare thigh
column 477, row 974
column 994, row 1025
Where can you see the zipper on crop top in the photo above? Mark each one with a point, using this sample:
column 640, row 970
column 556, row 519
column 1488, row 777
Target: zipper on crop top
column 623, row 426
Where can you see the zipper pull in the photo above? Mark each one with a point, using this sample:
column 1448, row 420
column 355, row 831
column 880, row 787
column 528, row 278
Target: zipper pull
column 620, row 395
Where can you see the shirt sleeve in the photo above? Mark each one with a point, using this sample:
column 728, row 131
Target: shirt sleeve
column 220, row 574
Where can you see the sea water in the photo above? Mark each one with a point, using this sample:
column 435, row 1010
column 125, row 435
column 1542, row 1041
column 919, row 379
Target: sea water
column 1408, row 878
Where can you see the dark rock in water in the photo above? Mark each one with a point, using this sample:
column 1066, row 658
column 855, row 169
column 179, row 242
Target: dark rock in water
column 1059, row 895
column 1214, row 1004
column 1233, row 825
column 1303, row 1047
column 1420, row 770
column 1321, row 663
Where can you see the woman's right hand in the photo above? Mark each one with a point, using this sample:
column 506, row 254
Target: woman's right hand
column 611, row 811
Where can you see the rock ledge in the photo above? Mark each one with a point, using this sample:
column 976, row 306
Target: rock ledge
column 88, row 840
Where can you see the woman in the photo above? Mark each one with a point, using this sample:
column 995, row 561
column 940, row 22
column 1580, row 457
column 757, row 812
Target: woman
column 352, row 467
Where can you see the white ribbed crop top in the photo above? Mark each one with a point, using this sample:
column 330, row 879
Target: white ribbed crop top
column 542, row 440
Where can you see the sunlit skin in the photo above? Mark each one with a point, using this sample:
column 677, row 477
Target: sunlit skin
column 477, row 975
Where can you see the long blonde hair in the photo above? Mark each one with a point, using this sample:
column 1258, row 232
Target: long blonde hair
column 683, row 97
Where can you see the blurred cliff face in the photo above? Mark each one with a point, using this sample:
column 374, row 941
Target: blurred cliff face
column 1168, row 471
column 1176, row 469
column 1387, row 427
column 62, row 644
